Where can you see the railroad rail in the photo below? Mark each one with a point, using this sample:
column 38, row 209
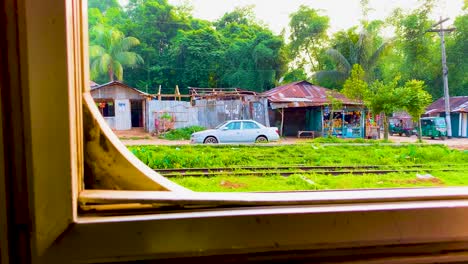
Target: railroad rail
column 303, row 169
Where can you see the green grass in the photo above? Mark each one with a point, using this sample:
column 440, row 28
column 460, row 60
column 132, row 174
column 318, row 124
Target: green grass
column 340, row 140
column 319, row 182
column 196, row 156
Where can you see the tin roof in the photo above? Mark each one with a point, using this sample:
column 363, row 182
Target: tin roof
column 457, row 104
column 117, row 83
column 303, row 94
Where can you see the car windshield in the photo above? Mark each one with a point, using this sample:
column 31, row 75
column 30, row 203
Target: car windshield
column 220, row 125
column 440, row 122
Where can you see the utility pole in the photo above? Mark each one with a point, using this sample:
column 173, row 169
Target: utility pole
column 441, row 32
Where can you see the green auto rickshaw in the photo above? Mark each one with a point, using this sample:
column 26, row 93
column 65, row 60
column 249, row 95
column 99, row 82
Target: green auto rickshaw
column 433, row 127
column 401, row 126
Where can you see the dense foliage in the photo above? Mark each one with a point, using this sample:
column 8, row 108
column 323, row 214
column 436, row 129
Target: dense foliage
column 170, row 47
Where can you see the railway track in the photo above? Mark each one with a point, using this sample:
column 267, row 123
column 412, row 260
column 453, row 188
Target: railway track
column 302, row 169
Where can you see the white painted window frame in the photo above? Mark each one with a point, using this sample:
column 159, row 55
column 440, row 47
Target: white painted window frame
column 50, row 30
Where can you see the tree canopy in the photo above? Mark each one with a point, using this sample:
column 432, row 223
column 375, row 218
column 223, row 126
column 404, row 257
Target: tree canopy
column 165, row 45
column 111, row 52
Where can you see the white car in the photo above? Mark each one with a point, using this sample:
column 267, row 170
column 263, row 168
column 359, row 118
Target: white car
column 236, row 131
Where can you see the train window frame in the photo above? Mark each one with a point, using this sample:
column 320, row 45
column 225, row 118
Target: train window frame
column 428, row 225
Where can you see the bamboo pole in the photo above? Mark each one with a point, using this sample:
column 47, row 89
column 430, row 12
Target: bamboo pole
column 159, row 93
column 282, row 120
column 177, row 92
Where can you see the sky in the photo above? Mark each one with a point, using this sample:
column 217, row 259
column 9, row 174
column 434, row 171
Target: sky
column 343, row 13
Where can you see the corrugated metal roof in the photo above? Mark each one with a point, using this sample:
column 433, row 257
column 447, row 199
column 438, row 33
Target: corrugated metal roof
column 122, row 85
column 457, row 104
column 303, row 94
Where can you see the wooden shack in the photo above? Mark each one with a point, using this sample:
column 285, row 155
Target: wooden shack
column 123, row 107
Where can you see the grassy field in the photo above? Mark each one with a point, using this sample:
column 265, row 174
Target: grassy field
column 209, row 156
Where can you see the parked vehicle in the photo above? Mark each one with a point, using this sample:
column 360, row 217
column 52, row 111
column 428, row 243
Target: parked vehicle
column 433, row 127
column 401, row 126
column 236, row 131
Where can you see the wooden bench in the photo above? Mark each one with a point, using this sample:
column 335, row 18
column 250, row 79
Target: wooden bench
column 310, row 133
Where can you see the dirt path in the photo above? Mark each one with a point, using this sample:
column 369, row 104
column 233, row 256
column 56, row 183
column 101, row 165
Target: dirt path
column 137, row 136
column 458, row 143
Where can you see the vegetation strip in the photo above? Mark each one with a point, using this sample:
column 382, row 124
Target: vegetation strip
column 253, row 168
column 268, row 171
column 299, row 167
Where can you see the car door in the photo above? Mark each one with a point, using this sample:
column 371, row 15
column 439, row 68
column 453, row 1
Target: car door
column 250, row 131
column 231, row 132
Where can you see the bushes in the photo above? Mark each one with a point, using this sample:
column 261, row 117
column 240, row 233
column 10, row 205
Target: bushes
column 181, row 133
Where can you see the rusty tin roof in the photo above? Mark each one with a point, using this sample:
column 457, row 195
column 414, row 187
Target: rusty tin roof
column 457, row 104
column 303, row 94
column 121, row 84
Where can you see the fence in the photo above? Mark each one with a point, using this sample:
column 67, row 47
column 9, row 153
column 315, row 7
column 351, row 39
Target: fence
column 207, row 113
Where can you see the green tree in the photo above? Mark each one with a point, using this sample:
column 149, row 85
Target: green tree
column 293, row 75
column 253, row 57
column 350, row 48
column 239, row 16
column 457, row 50
column 112, row 17
column 198, row 55
column 385, row 98
column 156, row 23
column 103, row 5
column 111, row 52
column 417, row 53
column 308, row 36
column 355, row 87
column 334, row 105
column 415, row 100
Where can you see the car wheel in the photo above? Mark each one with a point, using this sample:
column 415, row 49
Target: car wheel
column 261, row 139
column 210, row 140
column 407, row 134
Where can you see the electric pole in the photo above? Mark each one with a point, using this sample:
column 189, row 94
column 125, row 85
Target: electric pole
column 441, row 32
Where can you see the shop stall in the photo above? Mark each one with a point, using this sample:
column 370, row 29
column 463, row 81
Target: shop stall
column 345, row 123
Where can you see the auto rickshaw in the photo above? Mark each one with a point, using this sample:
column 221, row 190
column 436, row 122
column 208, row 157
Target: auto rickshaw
column 401, row 126
column 433, row 127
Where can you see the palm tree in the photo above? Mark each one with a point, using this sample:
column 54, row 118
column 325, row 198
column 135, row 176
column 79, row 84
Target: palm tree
column 359, row 52
column 111, row 52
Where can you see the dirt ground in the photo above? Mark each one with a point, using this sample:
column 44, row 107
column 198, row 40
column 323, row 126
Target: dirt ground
column 138, row 136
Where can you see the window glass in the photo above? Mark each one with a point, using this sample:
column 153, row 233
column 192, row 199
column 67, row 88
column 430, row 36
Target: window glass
column 233, row 125
column 440, row 122
column 106, row 107
column 250, row 125
column 342, row 90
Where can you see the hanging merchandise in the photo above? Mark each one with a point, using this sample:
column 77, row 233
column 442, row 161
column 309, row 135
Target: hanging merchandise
column 102, row 105
column 110, row 103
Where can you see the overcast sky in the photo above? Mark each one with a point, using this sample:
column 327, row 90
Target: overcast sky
column 343, row 13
